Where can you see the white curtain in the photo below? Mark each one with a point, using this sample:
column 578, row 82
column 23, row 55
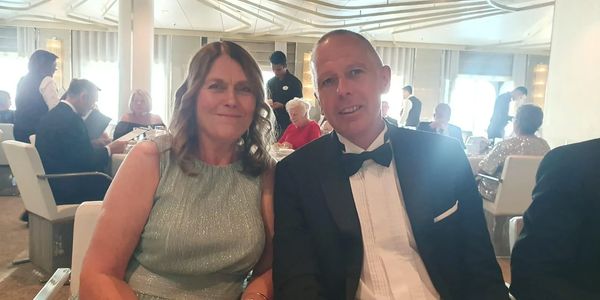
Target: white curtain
column 162, row 98
column 400, row 60
column 97, row 46
column 27, row 39
column 402, row 63
column 450, row 59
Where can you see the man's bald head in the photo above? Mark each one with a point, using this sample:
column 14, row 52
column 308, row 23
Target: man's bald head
column 347, row 33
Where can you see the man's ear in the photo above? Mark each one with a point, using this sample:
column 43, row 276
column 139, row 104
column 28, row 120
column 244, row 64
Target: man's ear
column 385, row 75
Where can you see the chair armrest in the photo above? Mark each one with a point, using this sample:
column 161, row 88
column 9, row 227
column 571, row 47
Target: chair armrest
column 490, row 177
column 53, row 285
column 64, row 175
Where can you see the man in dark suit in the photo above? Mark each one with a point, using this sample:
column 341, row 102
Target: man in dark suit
column 411, row 108
column 282, row 88
column 558, row 253
column 500, row 115
column 385, row 107
column 64, row 146
column 441, row 124
column 402, row 220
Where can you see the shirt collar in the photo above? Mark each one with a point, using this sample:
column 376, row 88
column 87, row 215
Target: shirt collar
column 353, row 148
column 70, row 105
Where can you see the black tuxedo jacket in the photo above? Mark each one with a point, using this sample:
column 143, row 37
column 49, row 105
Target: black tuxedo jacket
column 453, row 131
column 64, row 146
column 558, row 253
column 318, row 244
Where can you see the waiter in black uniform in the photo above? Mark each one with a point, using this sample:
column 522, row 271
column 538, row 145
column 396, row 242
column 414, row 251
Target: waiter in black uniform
column 281, row 89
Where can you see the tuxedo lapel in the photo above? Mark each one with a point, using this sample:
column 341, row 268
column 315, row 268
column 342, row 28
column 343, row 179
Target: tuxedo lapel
column 338, row 192
column 415, row 194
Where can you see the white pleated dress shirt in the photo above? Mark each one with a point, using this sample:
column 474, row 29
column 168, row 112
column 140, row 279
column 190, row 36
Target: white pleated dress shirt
column 392, row 267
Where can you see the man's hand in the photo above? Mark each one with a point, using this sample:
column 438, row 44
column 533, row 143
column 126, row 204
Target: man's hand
column 117, row 146
column 102, row 141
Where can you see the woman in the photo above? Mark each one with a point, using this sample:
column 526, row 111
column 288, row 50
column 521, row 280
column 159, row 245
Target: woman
column 36, row 94
column 140, row 106
column 189, row 214
column 302, row 130
column 528, row 120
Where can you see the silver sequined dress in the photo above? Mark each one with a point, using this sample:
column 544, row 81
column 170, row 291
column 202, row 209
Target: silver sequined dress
column 492, row 164
column 203, row 235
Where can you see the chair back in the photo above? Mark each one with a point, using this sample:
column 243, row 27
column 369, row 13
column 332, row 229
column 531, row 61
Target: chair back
column 26, row 164
column 32, row 139
column 85, row 221
column 7, row 134
column 518, row 179
column 515, row 225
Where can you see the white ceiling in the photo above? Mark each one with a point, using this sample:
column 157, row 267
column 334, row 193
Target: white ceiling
column 510, row 24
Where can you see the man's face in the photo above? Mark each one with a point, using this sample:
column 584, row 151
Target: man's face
column 442, row 116
column 87, row 101
column 279, row 70
column 405, row 94
column 350, row 81
column 517, row 95
column 385, row 107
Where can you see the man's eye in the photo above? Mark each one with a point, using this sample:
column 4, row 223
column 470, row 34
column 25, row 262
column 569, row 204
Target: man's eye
column 356, row 72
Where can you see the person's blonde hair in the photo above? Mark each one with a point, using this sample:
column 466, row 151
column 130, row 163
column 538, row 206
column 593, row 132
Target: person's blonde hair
column 298, row 102
column 253, row 144
column 144, row 95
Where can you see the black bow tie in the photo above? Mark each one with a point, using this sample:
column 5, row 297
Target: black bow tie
column 353, row 161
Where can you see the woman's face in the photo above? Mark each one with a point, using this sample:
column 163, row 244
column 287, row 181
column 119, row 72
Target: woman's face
column 139, row 105
column 298, row 116
column 225, row 104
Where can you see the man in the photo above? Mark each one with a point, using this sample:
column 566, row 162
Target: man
column 558, row 253
column 405, row 224
column 281, row 89
column 441, row 124
column 6, row 115
column 500, row 115
column 411, row 108
column 385, row 108
column 64, row 147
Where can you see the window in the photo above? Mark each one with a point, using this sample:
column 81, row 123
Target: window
column 159, row 94
column 472, row 103
column 18, row 68
column 105, row 75
column 394, row 96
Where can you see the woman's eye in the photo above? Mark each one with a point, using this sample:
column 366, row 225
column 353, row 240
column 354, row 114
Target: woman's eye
column 215, row 86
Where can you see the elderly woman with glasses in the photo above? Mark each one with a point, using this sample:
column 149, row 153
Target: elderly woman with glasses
column 302, row 130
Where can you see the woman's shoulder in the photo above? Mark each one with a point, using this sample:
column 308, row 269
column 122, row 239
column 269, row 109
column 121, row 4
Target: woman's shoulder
column 126, row 118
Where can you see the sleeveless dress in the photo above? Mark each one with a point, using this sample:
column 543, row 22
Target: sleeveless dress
column 203, row 236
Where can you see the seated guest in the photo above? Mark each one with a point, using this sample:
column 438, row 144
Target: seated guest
column 6, row 115
column 302, row 130
column 140, row 106
column 441, row 125
column 96, row 123
column 558, row 253
column 193, row 208
column 385, row 107
column 527, row 121
column 64, row 147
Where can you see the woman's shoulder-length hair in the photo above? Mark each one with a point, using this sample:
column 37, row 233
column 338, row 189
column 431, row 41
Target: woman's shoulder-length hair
column 253, row 145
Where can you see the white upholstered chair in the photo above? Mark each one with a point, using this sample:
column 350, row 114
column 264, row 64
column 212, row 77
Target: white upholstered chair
column 85, row 222
column 512, row 198
column 50, row 225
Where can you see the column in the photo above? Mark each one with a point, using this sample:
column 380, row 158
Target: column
column 143, row 44
column 572, row 106
column 124, row 55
